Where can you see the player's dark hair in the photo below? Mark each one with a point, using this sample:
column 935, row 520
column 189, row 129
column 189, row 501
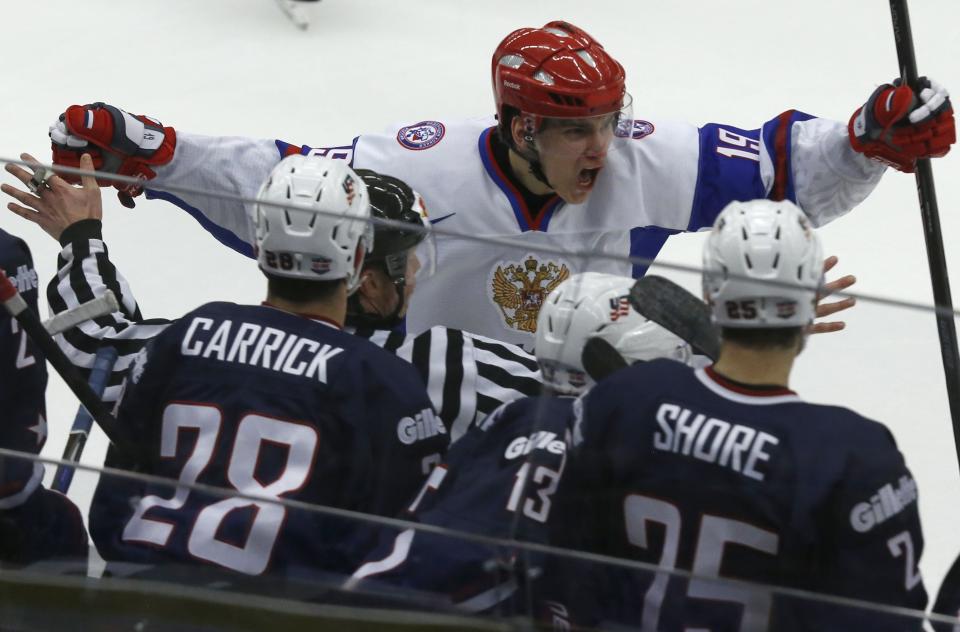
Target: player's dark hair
column 505, row 136
column 301, row 290
column 504, row 122
column 763, row 338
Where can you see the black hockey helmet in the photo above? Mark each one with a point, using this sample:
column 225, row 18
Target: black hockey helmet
column 392, row 199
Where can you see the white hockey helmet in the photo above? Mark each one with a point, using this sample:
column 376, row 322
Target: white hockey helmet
column 594, row 305
column 325, row 244
column 762, row 266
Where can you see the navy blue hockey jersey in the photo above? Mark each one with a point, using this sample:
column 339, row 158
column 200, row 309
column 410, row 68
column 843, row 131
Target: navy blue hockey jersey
column 35, row 523
column 498, row 481
column 697, row 473
column 272, row 404
column 23, row 381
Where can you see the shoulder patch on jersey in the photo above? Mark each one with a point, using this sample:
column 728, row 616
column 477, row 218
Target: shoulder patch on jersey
column 642, row 129
column 422, row 135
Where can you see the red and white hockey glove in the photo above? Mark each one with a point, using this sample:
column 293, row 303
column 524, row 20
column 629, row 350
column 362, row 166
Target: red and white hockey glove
column 118, row 142
column 896, row 128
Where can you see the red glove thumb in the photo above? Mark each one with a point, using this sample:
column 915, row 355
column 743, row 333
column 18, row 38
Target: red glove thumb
column 892, row 104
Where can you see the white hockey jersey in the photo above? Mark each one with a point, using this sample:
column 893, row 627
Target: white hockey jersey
column 495, row 260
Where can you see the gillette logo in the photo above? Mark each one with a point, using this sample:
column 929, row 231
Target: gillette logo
column 885, row 504
column 25, row 280
column 540, row 440
column 423, row 425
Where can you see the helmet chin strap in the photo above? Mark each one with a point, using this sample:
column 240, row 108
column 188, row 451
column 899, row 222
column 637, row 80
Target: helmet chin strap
column 358, row 317
column 531, row 154
column 533, row 159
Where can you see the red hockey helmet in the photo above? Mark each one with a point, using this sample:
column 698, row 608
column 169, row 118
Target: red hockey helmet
column 556, row 71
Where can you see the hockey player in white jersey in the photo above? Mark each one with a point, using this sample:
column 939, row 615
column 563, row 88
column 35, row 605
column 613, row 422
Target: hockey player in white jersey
column 566, row 167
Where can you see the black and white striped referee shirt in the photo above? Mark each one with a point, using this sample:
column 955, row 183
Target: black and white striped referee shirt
column 467, row 376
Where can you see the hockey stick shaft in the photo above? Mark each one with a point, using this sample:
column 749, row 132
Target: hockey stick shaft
column 83, row 422
column 946, row 328
column 17, row 307
column 100, row 306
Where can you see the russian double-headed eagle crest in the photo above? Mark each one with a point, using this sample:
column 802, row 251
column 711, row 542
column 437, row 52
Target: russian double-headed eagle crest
column 519, row 289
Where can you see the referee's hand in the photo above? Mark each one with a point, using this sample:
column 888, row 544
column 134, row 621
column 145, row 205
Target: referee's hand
column 56, row 204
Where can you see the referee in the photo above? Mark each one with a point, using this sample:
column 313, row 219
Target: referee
column 467, row 376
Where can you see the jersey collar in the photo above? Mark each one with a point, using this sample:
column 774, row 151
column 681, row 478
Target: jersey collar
column 743, row 393
column 323, row 320
column 525, row 219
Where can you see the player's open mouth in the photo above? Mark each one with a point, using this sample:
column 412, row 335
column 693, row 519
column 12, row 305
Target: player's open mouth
column 587, row 177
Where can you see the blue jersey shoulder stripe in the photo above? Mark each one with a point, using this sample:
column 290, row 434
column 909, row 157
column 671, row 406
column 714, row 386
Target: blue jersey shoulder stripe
column 224, row 236
column 776, row 137
column 729, row 170
column 645, row 243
